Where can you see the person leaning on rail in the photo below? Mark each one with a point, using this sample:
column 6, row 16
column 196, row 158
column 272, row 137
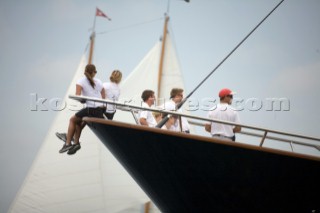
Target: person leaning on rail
column 223, row 111
column 176, row 96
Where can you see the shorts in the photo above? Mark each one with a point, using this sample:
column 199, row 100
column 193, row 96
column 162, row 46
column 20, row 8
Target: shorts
column 91, row 112
column 109, row 115
column 223, row 137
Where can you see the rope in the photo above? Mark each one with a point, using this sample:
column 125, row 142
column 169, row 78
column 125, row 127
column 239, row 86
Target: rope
column 165, row 118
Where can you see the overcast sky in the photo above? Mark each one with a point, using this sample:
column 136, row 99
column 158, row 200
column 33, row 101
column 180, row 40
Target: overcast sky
column 42, row 41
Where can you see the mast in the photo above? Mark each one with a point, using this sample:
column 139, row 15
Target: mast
column 178, row 106
column 165, row 30
column 92, row 37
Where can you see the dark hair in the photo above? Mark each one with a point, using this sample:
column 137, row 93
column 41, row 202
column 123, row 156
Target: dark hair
column 146, row 94
column 88, row 72
column 175, row 91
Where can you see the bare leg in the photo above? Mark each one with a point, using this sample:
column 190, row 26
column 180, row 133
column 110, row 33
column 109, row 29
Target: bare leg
column 83, row 124
column 72, row 128
column 78, row 131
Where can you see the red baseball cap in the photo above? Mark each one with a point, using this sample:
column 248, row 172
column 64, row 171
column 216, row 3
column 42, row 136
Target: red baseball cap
column 225, row 92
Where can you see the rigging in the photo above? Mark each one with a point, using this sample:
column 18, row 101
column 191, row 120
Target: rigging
column 178, row 106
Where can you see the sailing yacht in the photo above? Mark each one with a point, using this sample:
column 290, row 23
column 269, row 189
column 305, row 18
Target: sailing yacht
column 192, row 173
column 179, row 172
column 93, row 180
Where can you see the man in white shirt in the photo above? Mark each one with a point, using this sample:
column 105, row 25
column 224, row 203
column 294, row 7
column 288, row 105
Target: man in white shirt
column 176, row 96
column 145, row 117
column 225, row 112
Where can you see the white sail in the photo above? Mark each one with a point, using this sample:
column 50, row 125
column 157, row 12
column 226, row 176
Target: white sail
column 92, row 180
column 145, row 75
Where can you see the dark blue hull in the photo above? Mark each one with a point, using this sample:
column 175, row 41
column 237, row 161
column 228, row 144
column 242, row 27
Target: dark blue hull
column 186, row 173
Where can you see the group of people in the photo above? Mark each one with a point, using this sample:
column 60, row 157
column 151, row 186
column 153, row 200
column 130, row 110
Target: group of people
column 174, row 122
column 223, row 111
column 93, row 87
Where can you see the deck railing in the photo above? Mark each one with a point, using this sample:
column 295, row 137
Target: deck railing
column 194, row 120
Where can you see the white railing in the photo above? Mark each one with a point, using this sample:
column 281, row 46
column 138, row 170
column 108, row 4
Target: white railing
column 134, row 108
column 291, row 142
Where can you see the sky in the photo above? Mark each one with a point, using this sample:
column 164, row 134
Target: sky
column 42, row 41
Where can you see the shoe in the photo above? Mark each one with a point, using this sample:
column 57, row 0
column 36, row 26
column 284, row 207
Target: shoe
column 62, row 136
column 65, row 148
column 74, row 149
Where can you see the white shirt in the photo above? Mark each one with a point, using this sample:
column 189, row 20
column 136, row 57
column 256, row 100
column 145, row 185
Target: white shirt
column 87, row 90
column 148, row 116
column 226, row 113
column 112, row 93
column 171, row 106
column 171, row 128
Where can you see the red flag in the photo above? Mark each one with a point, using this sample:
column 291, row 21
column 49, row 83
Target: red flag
column 100, row 13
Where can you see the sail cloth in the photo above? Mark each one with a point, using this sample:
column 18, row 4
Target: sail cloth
column 145, row 76
column 93, row 180
column 90, row 181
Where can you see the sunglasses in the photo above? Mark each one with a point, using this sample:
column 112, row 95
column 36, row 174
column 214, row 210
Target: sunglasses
column 230, row 96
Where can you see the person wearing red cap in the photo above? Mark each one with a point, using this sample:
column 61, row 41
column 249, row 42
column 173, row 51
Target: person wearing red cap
column 224, row 112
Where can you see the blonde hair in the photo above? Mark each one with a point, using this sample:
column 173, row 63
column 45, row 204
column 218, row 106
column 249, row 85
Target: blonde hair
column 175, row 91
column 89, row 72
column 116, row 76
